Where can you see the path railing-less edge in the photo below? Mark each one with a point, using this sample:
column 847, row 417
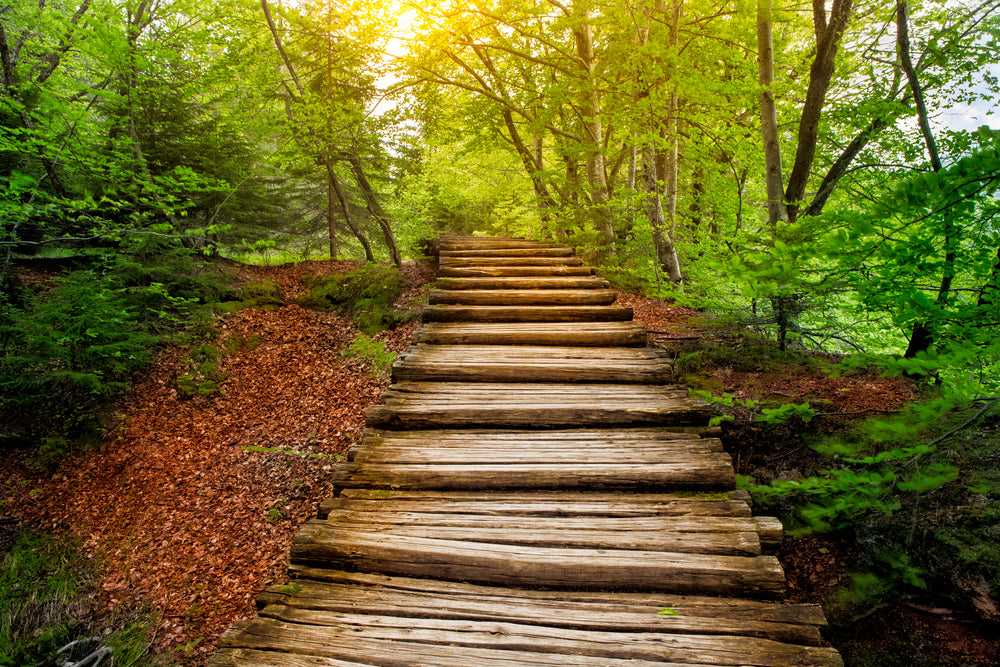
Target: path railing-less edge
column 532, row 490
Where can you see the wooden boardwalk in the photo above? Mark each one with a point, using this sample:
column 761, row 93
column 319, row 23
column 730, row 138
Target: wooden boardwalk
column 532, row 491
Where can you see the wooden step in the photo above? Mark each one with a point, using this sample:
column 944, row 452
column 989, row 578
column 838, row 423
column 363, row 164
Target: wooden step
column 541, row 503
column 461, row 262
column 527, row 313
column 529, row 447
column 533, row 297
column 505, row 363
column 566, row 282
column 538, row 251
column 358, row 592
column 590, row 334
column 489, row 243
column 486, row 562
column 503, row 271
column 423, row 405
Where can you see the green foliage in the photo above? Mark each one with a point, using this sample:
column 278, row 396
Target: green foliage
column 43, row 587
column 372, row 353
column 922, row 511
column 367, row 294
column 68, row 350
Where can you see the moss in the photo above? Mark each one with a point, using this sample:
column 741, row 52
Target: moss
column 367, row 294
column 265, row 295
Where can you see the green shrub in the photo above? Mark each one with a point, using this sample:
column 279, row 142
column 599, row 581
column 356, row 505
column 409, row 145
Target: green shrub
column 367, row 294
column 68, row 350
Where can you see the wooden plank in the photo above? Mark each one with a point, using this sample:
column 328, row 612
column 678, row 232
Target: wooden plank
column 519, row 565
column 539, row 251
column 539, row 504
column 527, row 313
column 527, row 282
column 588, row 334
column 503, row 271
column 273, row 636
column 678, row 453
column 686, row 605
column 540, row 639
column 703, row 474
column 497, row 363
column 781, row 622
column 453, row 262
column 532, row 297
column 465, row 405
column 491, row 243
column 707, row 541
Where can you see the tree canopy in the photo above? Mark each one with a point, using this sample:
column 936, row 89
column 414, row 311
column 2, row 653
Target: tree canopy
column 796, row 165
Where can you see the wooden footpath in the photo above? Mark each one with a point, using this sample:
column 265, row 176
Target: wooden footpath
column 531, row 491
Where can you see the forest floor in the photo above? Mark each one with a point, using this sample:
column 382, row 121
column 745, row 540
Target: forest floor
column 189, row 504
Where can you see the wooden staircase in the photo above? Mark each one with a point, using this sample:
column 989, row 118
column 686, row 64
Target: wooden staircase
column 531, row 491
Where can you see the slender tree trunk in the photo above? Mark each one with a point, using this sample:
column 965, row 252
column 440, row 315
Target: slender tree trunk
column 345, row 208
column 374, row 208
column 590, row 109
column 773, row 177
column 663, row 243
column 922, row 336
column 528, row 160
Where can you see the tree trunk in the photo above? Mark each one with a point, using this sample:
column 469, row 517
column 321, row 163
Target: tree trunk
column 663, row 243
column 590, row 110
column 828, row 35
column 922, row 335
column 773, row 177
column 374, row 208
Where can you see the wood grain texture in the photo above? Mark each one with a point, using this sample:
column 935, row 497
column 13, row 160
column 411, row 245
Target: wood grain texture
column 530, row 297
column 527, row 313
column 523, row 283
column 504, row 271
column 499, row 363
column 584, row 334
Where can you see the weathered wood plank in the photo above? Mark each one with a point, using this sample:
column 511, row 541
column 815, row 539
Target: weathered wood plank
column 491, row 243
column 697, row 475
column 720, row 649
column 532, row 297
column 780, row 622
column 502, row 271
column 565, row 282
column 686, row 605
column 267, row 636
column 452, row 262
column 538, row 504
column 724, row 543
column 464, row 405
column 589, row 334
column 539, row 251
column 498, row 363
column 527, row 313
column 520, row 565
column 678, row 453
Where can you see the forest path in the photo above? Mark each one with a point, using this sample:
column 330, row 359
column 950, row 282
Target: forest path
column 531, row 491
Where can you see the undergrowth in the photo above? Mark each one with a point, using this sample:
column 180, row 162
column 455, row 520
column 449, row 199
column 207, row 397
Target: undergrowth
column 48, row 614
